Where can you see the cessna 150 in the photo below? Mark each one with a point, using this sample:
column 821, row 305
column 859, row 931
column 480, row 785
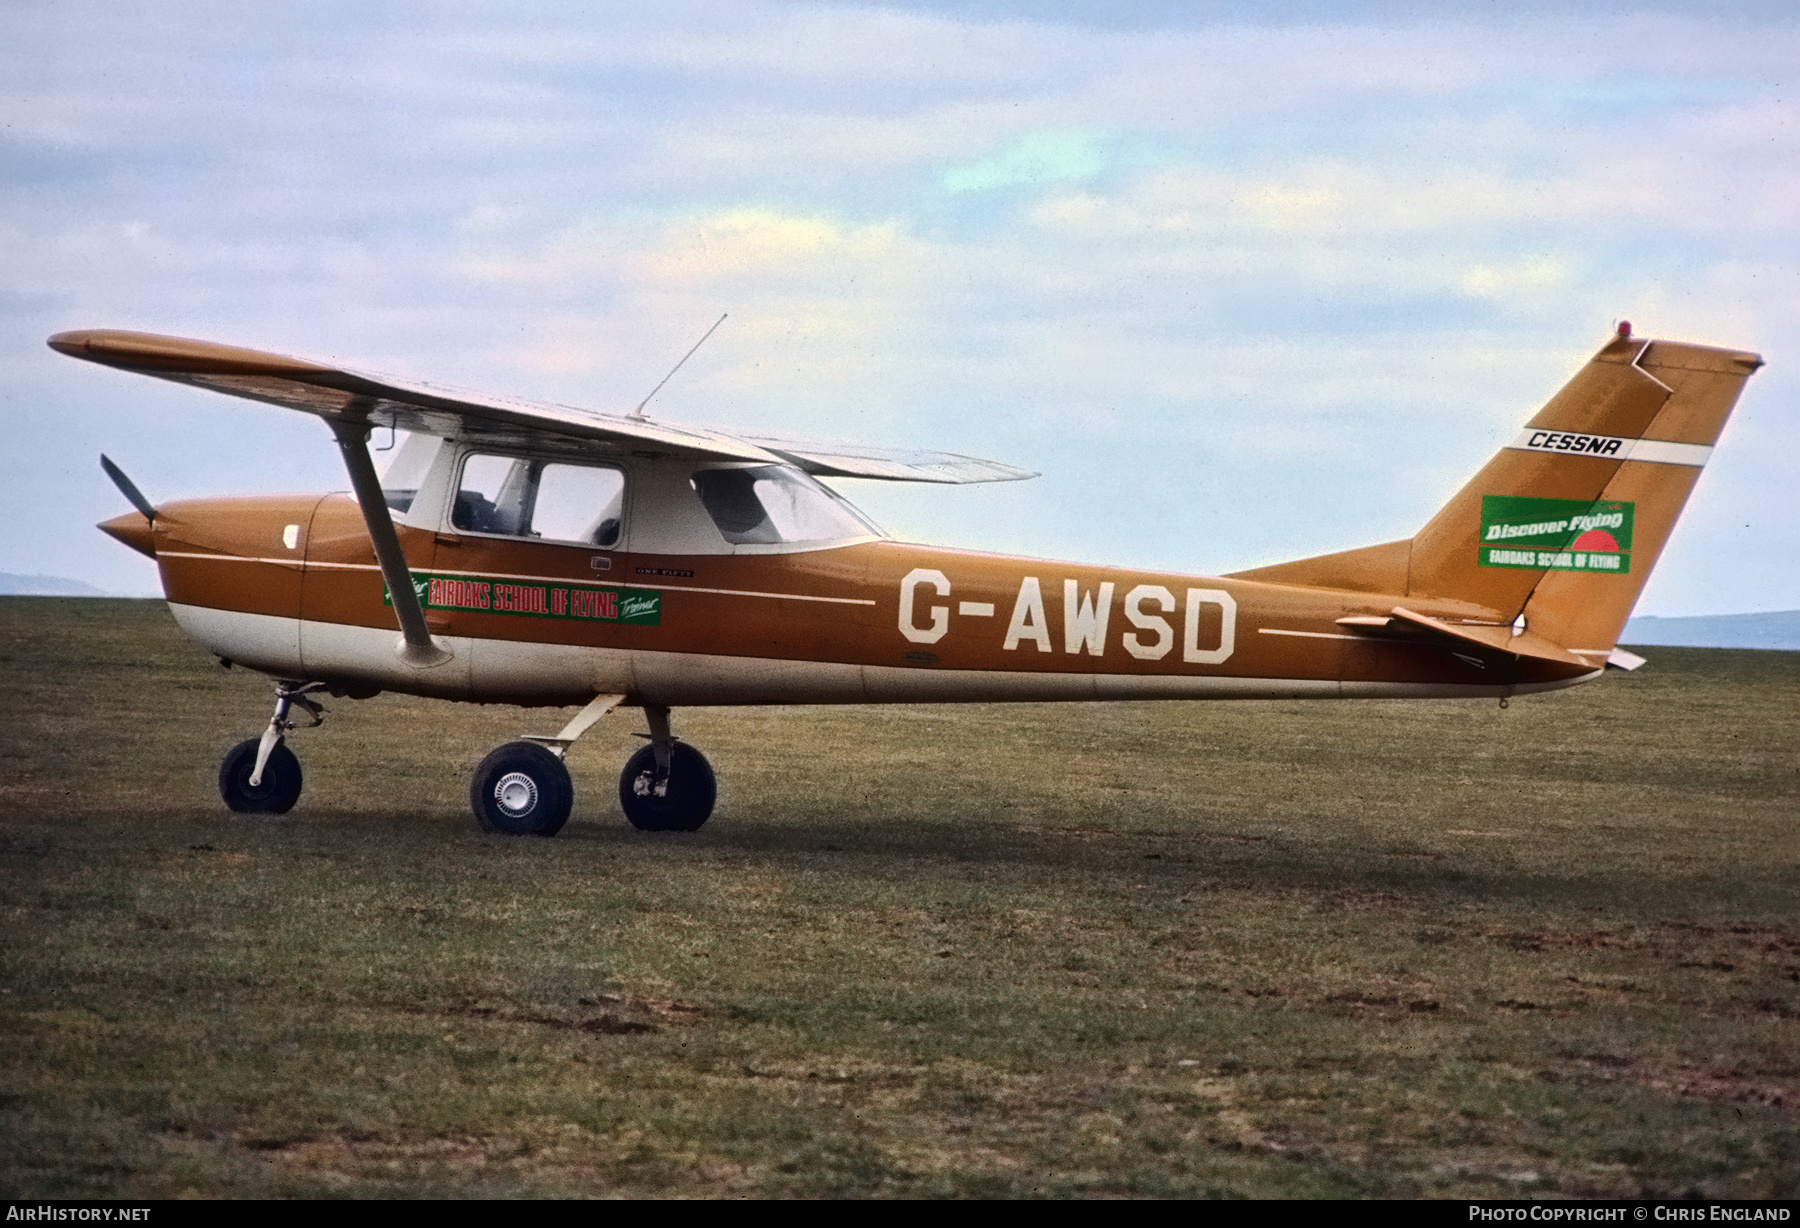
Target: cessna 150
column 546, row 556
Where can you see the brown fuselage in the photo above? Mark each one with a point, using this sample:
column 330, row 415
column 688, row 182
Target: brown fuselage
column 868, row 621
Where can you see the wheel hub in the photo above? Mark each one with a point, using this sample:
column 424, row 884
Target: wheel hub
column 516, row 794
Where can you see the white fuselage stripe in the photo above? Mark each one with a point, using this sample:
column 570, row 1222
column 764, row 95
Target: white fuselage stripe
column 598, row 581
column 236, row 558
column 739, row 592
column 486, row 670
column 1311, row 635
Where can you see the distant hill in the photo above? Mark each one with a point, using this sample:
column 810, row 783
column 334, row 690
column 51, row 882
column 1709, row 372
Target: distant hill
column 1779, row 629
column 46, row 586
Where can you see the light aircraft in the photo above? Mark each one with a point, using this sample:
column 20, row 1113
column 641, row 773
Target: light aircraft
column 547, row 556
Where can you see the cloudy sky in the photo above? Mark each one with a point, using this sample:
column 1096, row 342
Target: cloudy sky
column 1244, row 282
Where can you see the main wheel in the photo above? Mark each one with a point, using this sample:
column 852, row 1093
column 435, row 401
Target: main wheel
column 522, row 790
column 684, row 800
column 280, row 787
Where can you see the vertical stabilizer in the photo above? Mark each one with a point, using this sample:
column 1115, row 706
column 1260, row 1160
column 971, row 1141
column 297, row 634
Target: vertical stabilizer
column 1565, row 524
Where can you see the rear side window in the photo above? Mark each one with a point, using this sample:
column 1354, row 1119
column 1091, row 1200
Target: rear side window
column 552, row 500
column 773, row 504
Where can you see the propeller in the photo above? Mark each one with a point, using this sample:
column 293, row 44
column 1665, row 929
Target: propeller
column 128, row 488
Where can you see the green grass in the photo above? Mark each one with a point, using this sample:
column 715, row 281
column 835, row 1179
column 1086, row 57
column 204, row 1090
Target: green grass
column 1265, row 949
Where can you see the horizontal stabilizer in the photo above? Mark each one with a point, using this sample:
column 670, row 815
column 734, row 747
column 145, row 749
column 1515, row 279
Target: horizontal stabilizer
column 1493, row 638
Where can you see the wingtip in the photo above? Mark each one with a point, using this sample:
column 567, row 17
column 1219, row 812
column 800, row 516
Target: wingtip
column 73, row 344
column 156, row 354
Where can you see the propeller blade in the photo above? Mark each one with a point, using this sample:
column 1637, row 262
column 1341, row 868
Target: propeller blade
column 128, row 488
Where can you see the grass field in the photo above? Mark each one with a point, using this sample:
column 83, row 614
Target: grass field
column 1264, row 949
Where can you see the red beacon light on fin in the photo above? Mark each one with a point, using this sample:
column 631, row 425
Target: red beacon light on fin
column 1625, row 329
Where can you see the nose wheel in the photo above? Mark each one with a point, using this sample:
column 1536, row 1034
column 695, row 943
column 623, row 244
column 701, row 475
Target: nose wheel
column 261, row 775
column 277, row 790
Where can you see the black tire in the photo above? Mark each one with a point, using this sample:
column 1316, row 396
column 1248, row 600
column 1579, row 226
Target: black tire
column 521, row 790
column 686, row 802
column 280, row 787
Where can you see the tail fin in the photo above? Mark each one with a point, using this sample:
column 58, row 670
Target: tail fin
column 1564, row 525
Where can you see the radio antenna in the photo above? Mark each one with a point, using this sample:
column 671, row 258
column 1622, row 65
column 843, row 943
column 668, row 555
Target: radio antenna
column 638, row 413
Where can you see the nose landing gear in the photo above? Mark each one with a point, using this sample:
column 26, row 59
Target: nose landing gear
column 274, row 793
column 261, row 775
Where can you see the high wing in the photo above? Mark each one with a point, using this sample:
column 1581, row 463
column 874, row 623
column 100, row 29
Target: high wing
column 351, row 398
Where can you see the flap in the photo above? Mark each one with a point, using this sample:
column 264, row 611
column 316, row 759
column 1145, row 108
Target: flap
column 836, row 460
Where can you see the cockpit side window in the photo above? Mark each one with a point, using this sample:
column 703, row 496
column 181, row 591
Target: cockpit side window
column 771, row 504
column 553, row 500
column 578, row 503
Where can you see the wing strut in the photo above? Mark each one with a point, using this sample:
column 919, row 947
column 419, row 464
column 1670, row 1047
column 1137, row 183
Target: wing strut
column 417, row 648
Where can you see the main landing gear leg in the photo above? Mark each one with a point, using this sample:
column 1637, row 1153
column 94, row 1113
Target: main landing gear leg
column 523, row 789
column 667, row 785
column 261, row 775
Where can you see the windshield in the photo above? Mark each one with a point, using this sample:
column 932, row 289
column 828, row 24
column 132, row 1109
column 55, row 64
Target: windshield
column 774, row 504
column 403, row 465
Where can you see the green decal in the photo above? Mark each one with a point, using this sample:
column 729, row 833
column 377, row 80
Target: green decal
column 1556, row 534
column 580, row 602
column 641, row 607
